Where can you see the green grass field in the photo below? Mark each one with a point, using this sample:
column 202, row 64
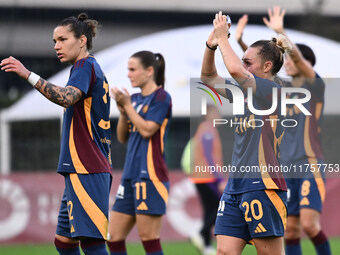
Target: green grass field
column 176, row 248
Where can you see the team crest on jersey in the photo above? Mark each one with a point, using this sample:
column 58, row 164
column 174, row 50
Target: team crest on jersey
column 145, row 108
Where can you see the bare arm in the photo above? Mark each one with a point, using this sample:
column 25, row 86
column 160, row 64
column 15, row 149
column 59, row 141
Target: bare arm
column 241, row 24
column 63, row 96
column 243, row 77
column 209, row 73
column 275, row 22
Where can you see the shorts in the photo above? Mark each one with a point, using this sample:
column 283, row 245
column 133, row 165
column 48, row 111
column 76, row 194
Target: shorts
column 85, row 206
column 303, row 193
column 254, row 214
column 308, row 191
column 141, row 196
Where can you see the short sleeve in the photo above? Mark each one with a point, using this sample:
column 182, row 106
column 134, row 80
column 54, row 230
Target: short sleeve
column 81, row 75
column 159, row 108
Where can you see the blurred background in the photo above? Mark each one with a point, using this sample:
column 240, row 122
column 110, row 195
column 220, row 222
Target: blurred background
column 30, row 190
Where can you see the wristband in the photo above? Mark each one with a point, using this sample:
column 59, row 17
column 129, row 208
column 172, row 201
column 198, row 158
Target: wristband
column 33, row 78
column 210, row 48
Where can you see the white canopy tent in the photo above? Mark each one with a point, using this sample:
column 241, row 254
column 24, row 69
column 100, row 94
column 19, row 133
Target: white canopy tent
column 183, row 51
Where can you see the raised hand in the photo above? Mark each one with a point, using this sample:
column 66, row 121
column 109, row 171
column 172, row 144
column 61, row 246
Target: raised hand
column 241, row 24
column 221, row 28
column 275, row 22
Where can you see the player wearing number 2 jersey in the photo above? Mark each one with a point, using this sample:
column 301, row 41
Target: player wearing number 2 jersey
column 144, row 122
column 85, row 156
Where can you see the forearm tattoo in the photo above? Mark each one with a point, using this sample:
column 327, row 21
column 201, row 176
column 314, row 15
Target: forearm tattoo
column 245, row 80
column 63, row 96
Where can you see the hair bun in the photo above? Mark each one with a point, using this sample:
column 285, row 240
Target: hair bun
column 82, row 17
column 274, row 40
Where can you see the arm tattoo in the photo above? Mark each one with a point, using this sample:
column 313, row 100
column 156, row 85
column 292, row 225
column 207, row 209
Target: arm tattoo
column 63, row 96
column 245, row 80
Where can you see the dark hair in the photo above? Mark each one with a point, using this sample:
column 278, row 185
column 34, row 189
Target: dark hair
column 82, row 26
column 307, row 53
column 273, row 50
column 156, row 60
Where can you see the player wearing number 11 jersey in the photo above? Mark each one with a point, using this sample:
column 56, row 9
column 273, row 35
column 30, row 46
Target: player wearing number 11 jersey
column 143, row 123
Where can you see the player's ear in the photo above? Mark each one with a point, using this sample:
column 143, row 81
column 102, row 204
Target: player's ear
column 150, row 71
column 83, row 41
column 267, row 66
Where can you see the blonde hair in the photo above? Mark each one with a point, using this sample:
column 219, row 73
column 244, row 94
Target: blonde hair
column 273, row 50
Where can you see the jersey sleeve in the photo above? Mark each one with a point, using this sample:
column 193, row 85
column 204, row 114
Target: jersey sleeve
column 318, row 88
column 81, row 75
column 159, row 108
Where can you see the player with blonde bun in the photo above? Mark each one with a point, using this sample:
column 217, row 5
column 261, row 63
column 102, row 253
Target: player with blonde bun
column 253, row 205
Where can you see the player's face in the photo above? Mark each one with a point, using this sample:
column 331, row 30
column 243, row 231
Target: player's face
column 138, row 75
column 67, row 46
column 252, row 62
column 290, row 66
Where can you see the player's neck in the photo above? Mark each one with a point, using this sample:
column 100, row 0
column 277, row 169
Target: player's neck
column 149, row 88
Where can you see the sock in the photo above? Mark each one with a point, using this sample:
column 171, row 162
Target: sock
column 321, row 244
column 117, row 248
column 94, row 246
column 153, row 247
column 66, row 248
column 293, row 246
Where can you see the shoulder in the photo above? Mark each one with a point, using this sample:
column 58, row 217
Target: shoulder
column 84, row 64
column 162, row 95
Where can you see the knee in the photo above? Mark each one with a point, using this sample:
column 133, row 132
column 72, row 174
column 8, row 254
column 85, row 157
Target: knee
column 292, row 232
column 221, row 251
column 311, row 228
column 225, row 251
column 145, row 235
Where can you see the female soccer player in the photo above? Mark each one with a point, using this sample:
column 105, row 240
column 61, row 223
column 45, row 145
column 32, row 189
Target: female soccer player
column 253, row 206
column 143, row 123
column 301, row 147
column 85, row 157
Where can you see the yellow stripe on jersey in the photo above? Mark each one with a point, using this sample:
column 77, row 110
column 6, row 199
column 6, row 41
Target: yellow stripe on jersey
column 279, row 205
column 267, row 180
column 80, row 169
column 318, row 110
column 92, row 210
column 318, row 178
column 313, row 161
column 162, row 130
column 307, row 142
column 162, row 190
column 87, row 110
